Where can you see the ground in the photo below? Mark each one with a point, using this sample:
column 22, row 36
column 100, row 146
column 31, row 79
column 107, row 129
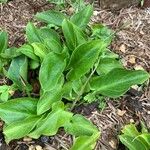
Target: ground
column 132, row 43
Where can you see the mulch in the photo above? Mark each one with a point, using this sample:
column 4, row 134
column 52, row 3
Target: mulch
column 132, row 43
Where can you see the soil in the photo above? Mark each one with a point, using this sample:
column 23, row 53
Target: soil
column 132, row 43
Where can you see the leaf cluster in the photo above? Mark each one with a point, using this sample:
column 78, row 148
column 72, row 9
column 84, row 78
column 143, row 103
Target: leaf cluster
column 133, row 139
column 73, row 64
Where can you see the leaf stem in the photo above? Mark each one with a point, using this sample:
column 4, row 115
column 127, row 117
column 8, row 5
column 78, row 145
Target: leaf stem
column 85, row 84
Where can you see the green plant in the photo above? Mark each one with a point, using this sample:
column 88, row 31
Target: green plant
column 74, row 65
column 3, row 1
column 133, row 139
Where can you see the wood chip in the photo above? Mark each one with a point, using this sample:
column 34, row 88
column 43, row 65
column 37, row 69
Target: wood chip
column 113, row 144
column 27, row 139
column 121, row 112
column 122, row 48
column 138, row 67
column 132, row 59
column 38, row 147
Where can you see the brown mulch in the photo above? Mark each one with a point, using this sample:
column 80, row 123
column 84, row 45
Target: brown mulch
column 132, row 43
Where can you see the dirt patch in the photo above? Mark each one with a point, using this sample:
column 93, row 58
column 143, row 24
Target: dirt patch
column 132, row 43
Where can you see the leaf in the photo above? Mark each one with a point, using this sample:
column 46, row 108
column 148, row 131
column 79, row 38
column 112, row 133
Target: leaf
column 34, row 64
column 51, row 70
column 133, row 139
column 49, row 97
column 102, row 32
column 18, row 71
column 10, row 53
column 131, row 143
column 80, row 126
column 4, row 96
column 83, row 59
column 73, row 35
column 107, row 64
column 53, row 45
column 51, row 17
column 40, row 50
column 118, row 81
column 82, row 17
column 3, row 41
column 53, row 121
column 28, row 50
column 32, row 33
column 85, row 142
column 20, row 129
column 17, row 109
column 47, row 33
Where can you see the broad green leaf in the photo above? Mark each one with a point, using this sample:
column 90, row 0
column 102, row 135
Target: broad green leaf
column 73, row 34
column 17, row 71
column 20, row 129
column 80, row 126
column 67, row 91
column 118, row 81
column 131, row 143
column 53, row 45
column 4, row 96
column 47, row 33
column 32, row 33
column 28, row 50
column 10, row 53
column 18, row 109
column 130, row 130
column 133, row 139
column 3, row 41
column 82, row 18
column 108, row 64
column 49, row 97
column 85, row 142
column 51, row 70
column 49, row 126
column 51, row 17
column 83, row 58
column 34, row 64
column 40, row 50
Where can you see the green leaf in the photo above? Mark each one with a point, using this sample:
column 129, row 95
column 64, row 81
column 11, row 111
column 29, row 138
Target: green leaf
column 51, row 17
column 108, row 64
column 49, row 97
column 4, row 96
column 73, row 34
column 118, row 81
column 131, row 143
column 34, row 64
column 82, row 18
column 51, row 70
column 49, row 126
column 102, row 32
column 47, row 33
column 53, row 45
column 40, row 50
column 10, row 53
column 133, row 139
column 80, row 126
column 32, row 33
column 17, row 109
column 3, row 41
column 20, row 129
column 28, row 50
column 83, row 58
column 85, row 142
column 18, row 71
